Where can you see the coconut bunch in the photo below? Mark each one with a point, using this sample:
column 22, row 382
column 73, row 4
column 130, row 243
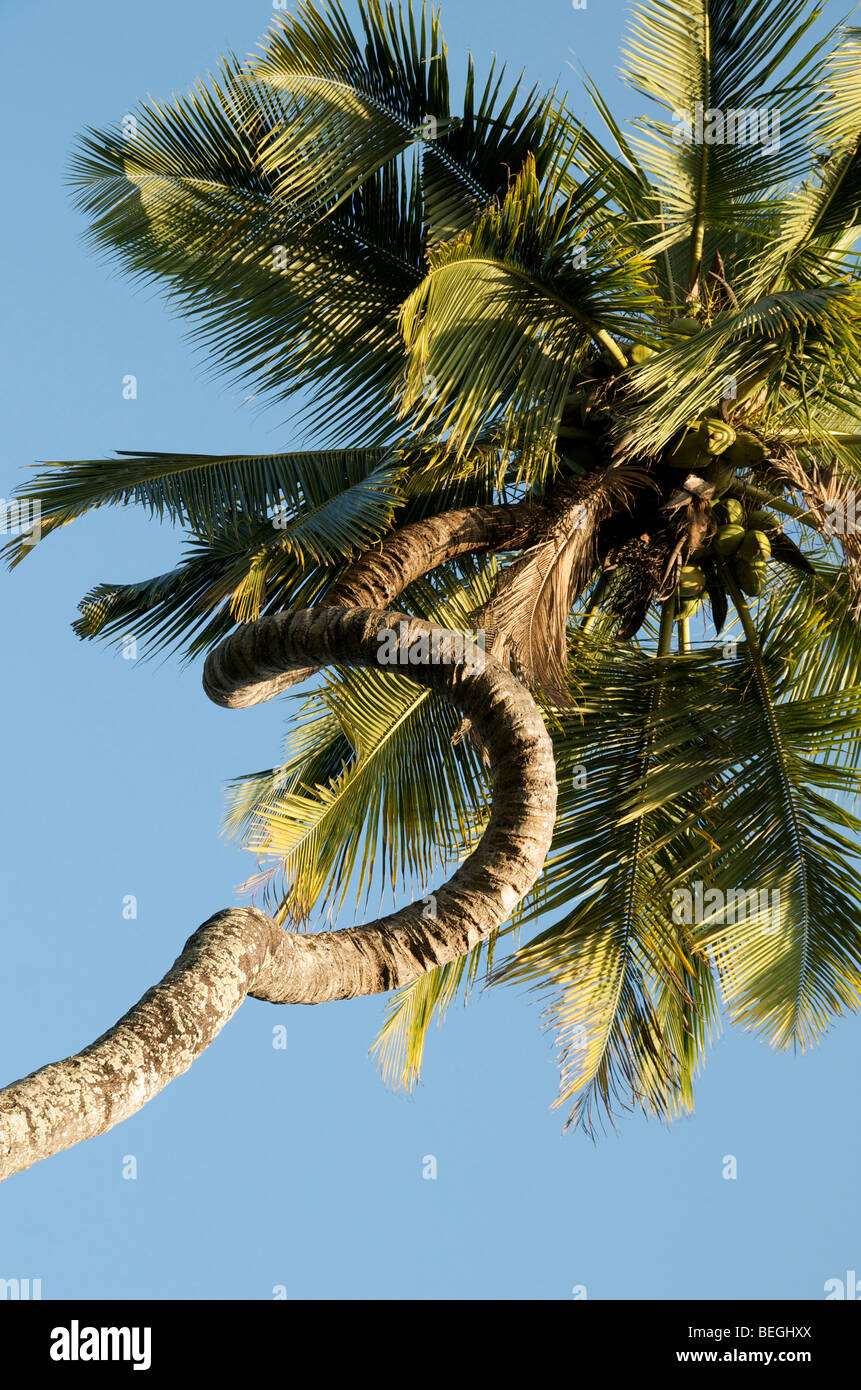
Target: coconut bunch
column 691, row 526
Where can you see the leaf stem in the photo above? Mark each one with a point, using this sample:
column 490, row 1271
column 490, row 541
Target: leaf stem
column 761, row 494
column 768, row 706
column 596, row 598
column 665, row 636
column 607, row 341
column 698, row 229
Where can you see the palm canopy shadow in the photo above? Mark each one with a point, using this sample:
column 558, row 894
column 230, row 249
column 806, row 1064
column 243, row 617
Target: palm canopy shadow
column 597, row 400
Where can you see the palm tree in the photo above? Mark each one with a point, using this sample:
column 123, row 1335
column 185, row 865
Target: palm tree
column 599, row 404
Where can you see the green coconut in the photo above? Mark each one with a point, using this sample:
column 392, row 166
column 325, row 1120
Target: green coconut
column 641, row 353
column 730, row 510
column 729, row 538
column 746, row 451
column 691, row 447
column 719, row 475
column 751, row 576
column 685, row 325
column 755, row 546
column 692, row 581
column 720, row 436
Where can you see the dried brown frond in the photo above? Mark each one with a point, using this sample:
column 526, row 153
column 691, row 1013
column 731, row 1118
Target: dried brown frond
column 828, row 496
column 528, row 610
column 690, row 511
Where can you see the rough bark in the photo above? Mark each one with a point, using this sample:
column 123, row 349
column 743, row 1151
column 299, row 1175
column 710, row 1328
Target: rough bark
column 380, row 576
column 242, row 951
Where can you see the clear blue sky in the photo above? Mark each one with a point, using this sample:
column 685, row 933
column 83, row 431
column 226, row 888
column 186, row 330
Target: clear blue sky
column 295, row 1167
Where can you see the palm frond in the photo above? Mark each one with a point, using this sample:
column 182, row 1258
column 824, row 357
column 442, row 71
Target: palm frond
column 328, row 489
column 505, row 314
column 400, row 1043
column 821, row 221
column 710, row 61
column 527, row 613
column 630, row 1006
column 788, row 336
column 278, row 299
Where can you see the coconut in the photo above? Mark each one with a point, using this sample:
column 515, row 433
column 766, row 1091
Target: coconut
column 692, row 581
column 641, row 353
column 730, row 510
column 690, row 448
column 755, row 546
column 729, row 538
column 719, row 475
column 720, row 436
column 685, row 325
column 746, row 451
column 751, row 576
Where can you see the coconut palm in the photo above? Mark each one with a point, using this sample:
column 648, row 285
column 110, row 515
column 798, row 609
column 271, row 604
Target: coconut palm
column 599, row 403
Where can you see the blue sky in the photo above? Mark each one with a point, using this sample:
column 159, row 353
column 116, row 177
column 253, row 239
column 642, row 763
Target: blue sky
column 296, row 1167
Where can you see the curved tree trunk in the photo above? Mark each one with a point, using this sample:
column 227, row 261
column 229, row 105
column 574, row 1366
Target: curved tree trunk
column 242, row 951
column 380, row 576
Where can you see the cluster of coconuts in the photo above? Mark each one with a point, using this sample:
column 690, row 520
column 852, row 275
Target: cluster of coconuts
column 711, row 447
column 709, row 438
column 743, row 541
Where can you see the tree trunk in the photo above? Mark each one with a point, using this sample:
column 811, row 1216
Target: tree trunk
column 380, row 576
column 242, row 951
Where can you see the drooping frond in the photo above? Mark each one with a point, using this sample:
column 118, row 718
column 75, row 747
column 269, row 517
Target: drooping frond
column 400, row 1043
column 332, row 507
column 209, row 492
column 350, row 107
column 503, row 317
column 630, row 1006
column 785, row 935
column 527, row 614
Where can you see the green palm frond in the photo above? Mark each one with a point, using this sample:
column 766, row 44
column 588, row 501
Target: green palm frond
column 740, row 59
column 278, row 299
column 704, row 771
column 504, row 315
column 793, row 962
column 400, row 1043
column 790, row 336
column 246, row 569
column 350, row 107
column 631, row 1007
column 627, row 209
column 819, row 609
column 471, row 163
column 821, row 221
column 339, row 495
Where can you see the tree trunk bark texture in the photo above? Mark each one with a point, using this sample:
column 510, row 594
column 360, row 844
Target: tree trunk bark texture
column 380, row 576
column 242, row 951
